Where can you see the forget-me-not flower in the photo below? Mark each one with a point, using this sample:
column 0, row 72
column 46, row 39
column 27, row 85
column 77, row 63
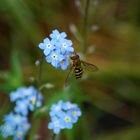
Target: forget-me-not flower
column 66, row 46
column 16, row 95
column 55, row 58
column 15, row 119
column 22, row 107
column 47, row 46
column 57, row 36
column 68, row 105
column 26, row 99
column 57, row 49
column 21, row 93
column 6, row 130
column 56, row 108
column 56, row 124
column 15, row 125
column 35, row 100
column 64, row 64
column 67, row 120
column 19, row 133
column 74, row 113
column 63, row 115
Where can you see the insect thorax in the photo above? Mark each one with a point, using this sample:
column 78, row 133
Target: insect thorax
column 74, row 57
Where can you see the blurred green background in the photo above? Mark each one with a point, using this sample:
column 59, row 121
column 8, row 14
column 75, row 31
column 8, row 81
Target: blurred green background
column 110, row 98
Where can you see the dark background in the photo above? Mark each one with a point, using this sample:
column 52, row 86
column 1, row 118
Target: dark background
column 110, row 98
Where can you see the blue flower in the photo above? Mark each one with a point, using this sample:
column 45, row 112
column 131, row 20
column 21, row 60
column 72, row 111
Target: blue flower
column 12, row 124
column 35, row 101
column 19, row 133
column 55, row 58
column 14, row 119
column 57, row 36
column 67, row 120
column 56, row 108
column 16, row 123
column 63, row 115
column 21, row 93
column 16, row 95
column 6, row 130
column 74, row 113
column 57, row 49
column 64, row 64
column 26, row 126
column 28, row 91
column 56, row 124
column 66, row 46
column 47, row 46
column 68, row 105
column 22, row 107
column 26, row 98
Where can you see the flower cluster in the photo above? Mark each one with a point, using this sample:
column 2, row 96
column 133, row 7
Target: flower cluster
column 26, row 98
column 57, row 49
column 16, row 123
column 63, row 115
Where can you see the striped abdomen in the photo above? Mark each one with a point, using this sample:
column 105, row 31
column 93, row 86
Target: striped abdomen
column 78, row 72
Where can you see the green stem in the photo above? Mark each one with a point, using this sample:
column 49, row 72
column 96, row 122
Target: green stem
column 53, row 137
column 38, row 82
column 85, row 25
column 38, row 77
column 39, row 72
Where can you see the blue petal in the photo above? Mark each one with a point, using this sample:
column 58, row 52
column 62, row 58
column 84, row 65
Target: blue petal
column 56, row 130
column 69, row 125
column 55, row 63
column 64, row 66
column 46, row 40
column 63, row 35
column 61, row 57
column 70, row 49
column 42, row 46
column 48, row 59
column 47, row 51
column 50, row 125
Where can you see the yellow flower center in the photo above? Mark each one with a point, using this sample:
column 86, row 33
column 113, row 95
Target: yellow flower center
column 73, row 112
column 19, row 134
column 33, row 101
column 54, row 56
column 69, row 106
column 67, row 119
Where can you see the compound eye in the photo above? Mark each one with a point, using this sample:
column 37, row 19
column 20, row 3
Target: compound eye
column 75, row 57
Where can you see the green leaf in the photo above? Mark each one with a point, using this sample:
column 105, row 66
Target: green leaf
column 12, row 79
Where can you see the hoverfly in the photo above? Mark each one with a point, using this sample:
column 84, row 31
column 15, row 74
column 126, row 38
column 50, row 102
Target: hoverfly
column 78, row 66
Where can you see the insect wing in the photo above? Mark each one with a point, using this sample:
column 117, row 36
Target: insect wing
column 68, row 76
column 89, row 67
